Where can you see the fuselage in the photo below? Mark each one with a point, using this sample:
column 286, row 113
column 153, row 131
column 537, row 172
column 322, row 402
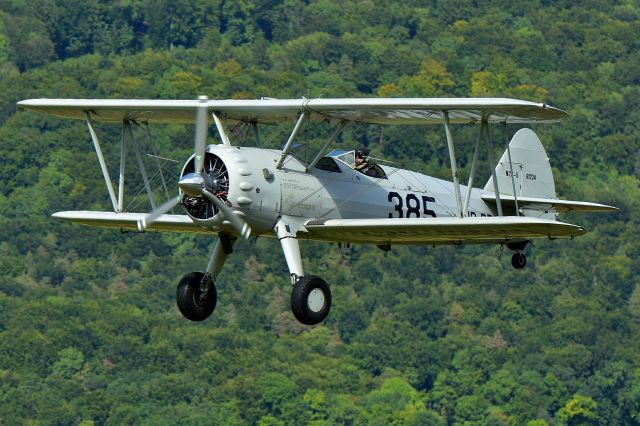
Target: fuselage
column 332, row 189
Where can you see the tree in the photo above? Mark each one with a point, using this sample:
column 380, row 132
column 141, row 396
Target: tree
column 580, row 410
column 394, row 403
column 70, row 361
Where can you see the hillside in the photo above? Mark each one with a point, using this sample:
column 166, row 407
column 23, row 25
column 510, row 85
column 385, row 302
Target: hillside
column 89, row 330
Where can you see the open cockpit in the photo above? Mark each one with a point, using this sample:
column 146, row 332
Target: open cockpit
column 329, row 163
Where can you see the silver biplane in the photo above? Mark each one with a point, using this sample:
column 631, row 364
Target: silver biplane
column 237, row 191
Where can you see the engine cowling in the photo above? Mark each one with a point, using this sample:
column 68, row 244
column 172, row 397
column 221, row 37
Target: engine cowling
column 237, row 175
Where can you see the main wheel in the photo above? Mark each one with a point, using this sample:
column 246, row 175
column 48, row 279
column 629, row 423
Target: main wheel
column 518, row 260
column 310, row 299
column 193, row 303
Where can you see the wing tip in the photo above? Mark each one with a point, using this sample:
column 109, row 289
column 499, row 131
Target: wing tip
column 65, row 215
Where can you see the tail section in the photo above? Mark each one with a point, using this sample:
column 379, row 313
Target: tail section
column 531, row 169
column 535, row 189
column 532, row 174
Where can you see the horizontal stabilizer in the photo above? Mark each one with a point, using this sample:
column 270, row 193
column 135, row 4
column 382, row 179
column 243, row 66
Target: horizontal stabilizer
column 447, row 230
column 166, row 222
column 548, row 205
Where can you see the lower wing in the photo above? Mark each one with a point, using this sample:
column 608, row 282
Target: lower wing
column 166, row 222
column 438, row 230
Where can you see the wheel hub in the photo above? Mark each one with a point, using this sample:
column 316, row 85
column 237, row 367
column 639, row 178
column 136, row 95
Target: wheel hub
column 201, row 292
column 315, row 300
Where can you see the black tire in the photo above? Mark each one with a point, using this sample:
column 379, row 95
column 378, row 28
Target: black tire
column 518, row 260
column 314, row 309
column 189, row 300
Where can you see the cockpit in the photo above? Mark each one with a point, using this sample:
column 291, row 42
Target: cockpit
column 348, row 158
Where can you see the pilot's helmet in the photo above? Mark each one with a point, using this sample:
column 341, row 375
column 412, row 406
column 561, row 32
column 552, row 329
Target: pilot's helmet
column 362, row 153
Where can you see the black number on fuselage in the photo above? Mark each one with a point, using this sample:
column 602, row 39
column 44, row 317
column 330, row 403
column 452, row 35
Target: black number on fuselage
column 413, row 205
column 425, row 200
column 398, row 205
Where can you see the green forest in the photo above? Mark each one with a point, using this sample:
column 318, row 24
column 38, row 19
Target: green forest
column 89, row 330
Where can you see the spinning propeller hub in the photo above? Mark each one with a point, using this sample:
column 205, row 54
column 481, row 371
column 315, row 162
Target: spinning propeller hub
column 213, row 178
column 192, row 184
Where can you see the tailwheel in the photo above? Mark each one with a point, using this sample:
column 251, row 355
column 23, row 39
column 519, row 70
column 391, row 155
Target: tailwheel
column 196, row 296
column 518, row 260
column 310, row 299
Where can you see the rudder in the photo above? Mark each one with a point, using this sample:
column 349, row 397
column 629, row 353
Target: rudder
column 531, row 168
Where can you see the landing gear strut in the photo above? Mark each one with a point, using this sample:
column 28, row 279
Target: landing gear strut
column 310, row 296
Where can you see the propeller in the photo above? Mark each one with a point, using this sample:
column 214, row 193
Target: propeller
column 159, row 211
column 236, row 221
column 201, row 134
column 199, row 183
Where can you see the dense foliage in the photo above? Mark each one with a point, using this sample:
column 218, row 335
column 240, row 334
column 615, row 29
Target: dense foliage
column 89, row 331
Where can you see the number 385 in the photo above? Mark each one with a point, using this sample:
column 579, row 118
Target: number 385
column 410, row 205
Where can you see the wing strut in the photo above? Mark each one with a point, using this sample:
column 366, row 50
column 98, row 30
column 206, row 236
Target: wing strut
column 326, row 145
column 452, row 158
column 103, row 165
column 223, row 133
column 123, row 160
column 474, row 167
column 287, row 147
column 513, row 182
column 157, row 160
column 136, row 149
column 493, row 169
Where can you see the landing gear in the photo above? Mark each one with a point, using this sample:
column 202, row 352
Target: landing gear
column 518, row 260
column 310, row 296
column 196, row 296
column 310, row 299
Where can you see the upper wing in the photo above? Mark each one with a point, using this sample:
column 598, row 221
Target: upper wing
column 438, row 230
column 549, row 205
column 363, row 110
column 166, row 222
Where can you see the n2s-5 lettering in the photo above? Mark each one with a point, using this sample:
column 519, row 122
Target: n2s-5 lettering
column 412, row 203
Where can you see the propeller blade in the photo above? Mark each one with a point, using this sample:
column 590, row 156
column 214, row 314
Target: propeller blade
column 201, row 134
column 154, row 215
column 237, row 222
column 190, row 180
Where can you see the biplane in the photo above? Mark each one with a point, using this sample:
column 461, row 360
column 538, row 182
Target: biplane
column 236, row 192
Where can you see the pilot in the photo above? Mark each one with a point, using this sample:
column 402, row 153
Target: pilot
column 361, row 159
column 363, row 166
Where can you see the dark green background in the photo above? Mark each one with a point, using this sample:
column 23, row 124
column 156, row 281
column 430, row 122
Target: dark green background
column 89, row 331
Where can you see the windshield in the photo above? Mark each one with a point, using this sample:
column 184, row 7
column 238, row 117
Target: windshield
column 348, row 157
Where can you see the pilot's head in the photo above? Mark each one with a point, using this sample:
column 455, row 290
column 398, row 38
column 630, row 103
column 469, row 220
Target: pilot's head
column 361, row 155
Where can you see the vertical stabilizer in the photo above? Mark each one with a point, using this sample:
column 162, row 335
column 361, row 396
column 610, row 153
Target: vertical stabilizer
column 531, row 170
